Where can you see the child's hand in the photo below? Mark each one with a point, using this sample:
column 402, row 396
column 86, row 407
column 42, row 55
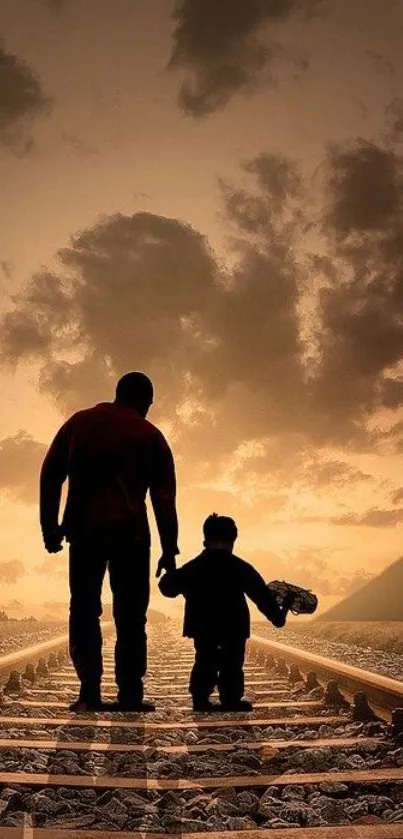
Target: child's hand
column 167, row 562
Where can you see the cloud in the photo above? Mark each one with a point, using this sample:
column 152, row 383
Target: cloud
column 360, row 344
column 52, row 567
column 21, row 457
column 397, row 495
column 7, row 268
column 382, row 65
column 374, row 517
column 311, row 568
column 357, row 580
column 21, row 100
column 78, row 146
column 365, row 188
column 195, row 503
column 11, row 572
column 227, row 347
column 394, row 114
column 334, row 473
column 14, row 605
column 224, row 47
column 54, row 6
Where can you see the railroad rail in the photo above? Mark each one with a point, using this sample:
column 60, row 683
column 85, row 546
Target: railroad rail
column 320, row 756
column 385, row 694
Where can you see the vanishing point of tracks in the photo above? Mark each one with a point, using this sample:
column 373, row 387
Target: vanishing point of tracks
column 320, row 756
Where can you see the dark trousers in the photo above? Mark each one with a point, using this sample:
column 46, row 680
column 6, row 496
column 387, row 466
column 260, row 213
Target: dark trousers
column 218, row 664
column 128, row 562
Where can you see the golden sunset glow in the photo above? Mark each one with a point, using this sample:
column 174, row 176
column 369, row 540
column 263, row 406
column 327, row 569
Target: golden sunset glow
column 232, row 227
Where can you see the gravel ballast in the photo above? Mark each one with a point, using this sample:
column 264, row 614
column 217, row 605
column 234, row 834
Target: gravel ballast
column 193, row 810
column 177, row 811
column 376, row 661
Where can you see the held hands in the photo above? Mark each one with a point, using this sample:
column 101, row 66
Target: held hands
column 167, row 562
column 53, row 540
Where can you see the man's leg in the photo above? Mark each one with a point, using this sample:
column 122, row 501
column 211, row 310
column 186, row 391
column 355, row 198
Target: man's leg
column 129, row 571
column 203, row 677
column 87, row 568
column 231, row 677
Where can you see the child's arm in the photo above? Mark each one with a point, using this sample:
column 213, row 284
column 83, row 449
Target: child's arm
column 256, row 589
column 171, row 584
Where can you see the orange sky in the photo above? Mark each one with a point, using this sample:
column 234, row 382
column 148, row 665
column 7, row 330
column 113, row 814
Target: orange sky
column 117, row 141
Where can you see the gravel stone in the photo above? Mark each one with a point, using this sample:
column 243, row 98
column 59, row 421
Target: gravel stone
column 196, row 810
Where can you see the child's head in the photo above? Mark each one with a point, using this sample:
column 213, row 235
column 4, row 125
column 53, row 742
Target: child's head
column 219, row 532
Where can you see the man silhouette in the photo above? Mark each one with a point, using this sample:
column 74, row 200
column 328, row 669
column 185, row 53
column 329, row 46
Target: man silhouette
column 112, row 456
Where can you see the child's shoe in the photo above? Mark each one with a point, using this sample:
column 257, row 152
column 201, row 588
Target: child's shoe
column 239, row 705
column 135, row 706
column 204, row 706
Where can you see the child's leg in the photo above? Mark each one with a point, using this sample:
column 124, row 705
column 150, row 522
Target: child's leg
column 231, row 678
column 203, row 678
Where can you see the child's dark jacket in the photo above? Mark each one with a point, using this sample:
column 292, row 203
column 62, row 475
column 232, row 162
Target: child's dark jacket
column 214, row 585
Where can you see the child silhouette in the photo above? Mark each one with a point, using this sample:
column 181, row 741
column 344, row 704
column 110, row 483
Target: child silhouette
column 214, row 585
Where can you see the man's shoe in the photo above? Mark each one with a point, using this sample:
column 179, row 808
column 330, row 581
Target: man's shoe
column 83, row 705
column 240, row 705
column 204, row 706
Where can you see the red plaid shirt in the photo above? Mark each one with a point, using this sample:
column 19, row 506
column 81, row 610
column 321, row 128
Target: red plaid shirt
column 111, row 456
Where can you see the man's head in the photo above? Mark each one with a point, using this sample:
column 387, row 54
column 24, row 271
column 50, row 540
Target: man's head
column 220, row 532
column 136, row 391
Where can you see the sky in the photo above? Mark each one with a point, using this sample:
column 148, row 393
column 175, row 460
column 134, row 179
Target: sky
column 211, row 193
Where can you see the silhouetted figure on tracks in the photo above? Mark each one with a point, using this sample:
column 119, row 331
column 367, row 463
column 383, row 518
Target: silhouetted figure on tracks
column 112, row 456
column 214, row 585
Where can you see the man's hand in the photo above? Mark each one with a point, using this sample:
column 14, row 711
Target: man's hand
column 53, row 540
column 166, row 563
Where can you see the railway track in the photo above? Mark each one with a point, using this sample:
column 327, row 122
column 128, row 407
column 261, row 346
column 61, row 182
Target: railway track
column 320, row 756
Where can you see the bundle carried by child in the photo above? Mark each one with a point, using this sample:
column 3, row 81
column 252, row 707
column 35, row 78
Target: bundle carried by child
column 299, row 601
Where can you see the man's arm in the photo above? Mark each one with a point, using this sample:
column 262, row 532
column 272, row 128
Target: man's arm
column 163, row 499
column 256, row 589
column 52, row 476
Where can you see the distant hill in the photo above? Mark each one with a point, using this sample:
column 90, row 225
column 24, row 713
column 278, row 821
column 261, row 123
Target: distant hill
column 56, row 611
column 381, row 599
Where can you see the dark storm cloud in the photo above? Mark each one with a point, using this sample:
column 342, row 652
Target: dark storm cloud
column 361, row 335
column 21, row 99
column 149, row 294
column 11, row 572
column 225, row 46
column 31, row 329
column 20, row 460
column 224, row 347
column 365, row 188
